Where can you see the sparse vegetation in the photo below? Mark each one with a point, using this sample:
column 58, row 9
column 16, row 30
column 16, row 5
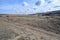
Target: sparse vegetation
column 24, row 38
column 12, row 26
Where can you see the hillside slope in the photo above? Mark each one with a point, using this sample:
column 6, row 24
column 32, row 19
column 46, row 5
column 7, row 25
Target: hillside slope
column 17, row 27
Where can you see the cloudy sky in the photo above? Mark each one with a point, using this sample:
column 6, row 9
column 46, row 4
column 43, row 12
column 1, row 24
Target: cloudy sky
column 28, row 6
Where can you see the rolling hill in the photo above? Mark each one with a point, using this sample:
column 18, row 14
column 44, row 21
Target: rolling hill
column 40, row 26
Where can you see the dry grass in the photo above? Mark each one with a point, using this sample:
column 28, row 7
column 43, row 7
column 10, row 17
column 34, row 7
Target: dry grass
column 10, row 26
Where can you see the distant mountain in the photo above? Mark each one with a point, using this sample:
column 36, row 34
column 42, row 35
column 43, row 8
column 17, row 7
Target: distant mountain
column 51, row 13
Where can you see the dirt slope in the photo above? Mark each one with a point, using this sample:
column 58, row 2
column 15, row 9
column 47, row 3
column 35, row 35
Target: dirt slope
column 29, row 28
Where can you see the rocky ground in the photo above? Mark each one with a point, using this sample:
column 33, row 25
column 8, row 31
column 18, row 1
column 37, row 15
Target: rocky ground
column 29, row 27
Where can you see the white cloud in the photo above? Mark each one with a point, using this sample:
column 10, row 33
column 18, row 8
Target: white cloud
column 39, row 6
column 56, row 2
column 44, row 6
column 43, row 2
column 25, row 4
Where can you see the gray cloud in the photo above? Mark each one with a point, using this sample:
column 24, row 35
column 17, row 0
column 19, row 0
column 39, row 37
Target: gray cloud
column 38, row 3
column 48, row 1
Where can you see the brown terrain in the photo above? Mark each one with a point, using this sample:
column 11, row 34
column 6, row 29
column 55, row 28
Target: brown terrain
column 29, row 27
